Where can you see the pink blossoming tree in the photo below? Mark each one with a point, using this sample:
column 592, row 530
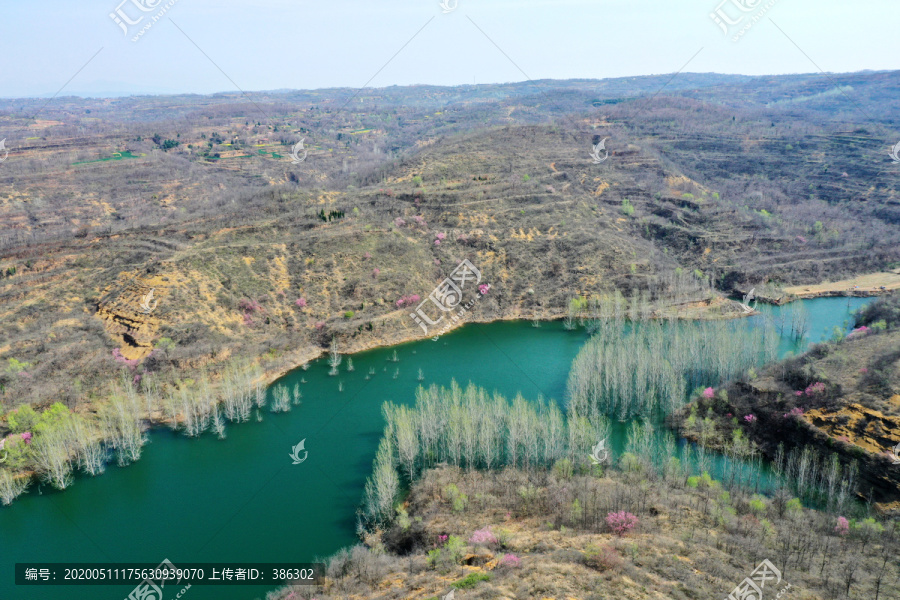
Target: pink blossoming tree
column 408, row 300
column 510, row 561
column 621, row 522
column 484, row 537
column 843, row 526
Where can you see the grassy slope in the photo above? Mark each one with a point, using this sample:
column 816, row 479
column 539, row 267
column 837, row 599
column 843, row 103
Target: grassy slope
column 689, row 544
column 556, row 235
column 519, row 198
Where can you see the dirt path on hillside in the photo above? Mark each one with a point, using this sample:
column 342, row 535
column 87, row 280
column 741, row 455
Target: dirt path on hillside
column 862, row 285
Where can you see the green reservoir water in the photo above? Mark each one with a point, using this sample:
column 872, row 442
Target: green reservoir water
column 242, row 499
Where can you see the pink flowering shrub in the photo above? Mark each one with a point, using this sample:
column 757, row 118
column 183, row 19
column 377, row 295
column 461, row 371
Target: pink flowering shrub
column 408, row 300
column 399, row 222
column 375, row 273
column 864, row 370
column 510, row 561
column 419, row 220
column 801, row 239
column 843, row 526
column 249, row 306
column 367, row 256
column 26, row 437
column 859, row 331
column 483, row 536
column 117, row 355
column 320, row 325
column 441, row 236
column 795, row 412
column 437, row 242
column 301, row 302
column 812, row 389
column 621, row 522
column 484, row 288
column 750, row 418
column 708, row 393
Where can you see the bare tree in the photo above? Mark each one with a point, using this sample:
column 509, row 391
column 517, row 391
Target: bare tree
column 334, row 358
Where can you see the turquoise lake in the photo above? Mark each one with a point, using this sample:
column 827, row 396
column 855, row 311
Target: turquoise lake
column 242, row 499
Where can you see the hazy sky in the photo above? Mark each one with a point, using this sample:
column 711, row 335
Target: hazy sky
column 275, row 44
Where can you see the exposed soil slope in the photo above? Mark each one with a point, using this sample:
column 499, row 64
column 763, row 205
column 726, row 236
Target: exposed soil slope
column 841, row 397
column 538, row 543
